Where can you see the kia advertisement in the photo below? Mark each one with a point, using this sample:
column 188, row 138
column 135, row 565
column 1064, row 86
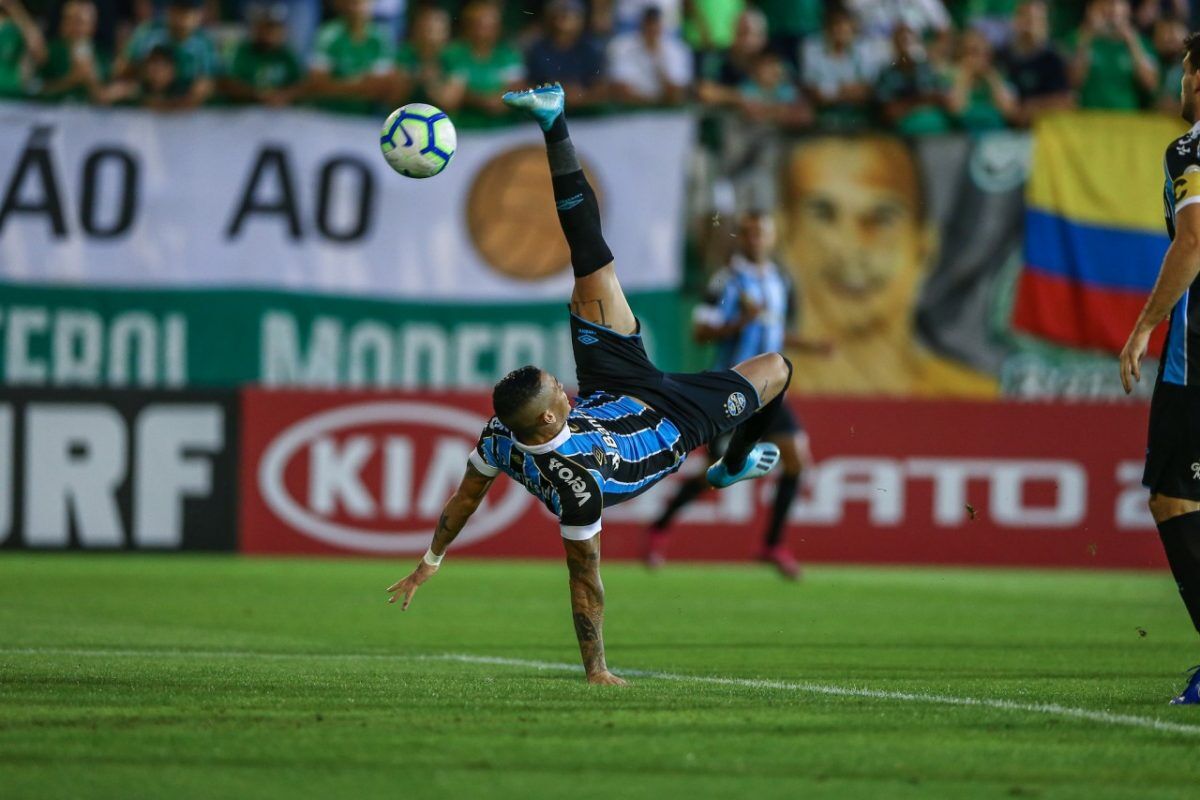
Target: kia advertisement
column 895, row 482
column 118, row 470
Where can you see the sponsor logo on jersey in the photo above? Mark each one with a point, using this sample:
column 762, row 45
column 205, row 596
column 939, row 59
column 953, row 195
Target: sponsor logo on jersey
column 735, row 404
column 575, row 483
column 598, row 454
column 587, row 336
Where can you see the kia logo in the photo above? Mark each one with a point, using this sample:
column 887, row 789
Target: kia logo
column 335, row 476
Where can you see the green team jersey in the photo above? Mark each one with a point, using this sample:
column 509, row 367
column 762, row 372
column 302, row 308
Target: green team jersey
column 1111, row 80
column 343, row 56
column 980, row 113
column 265, row 69
column 487, row 75
column 58, row 65
column 195, row 57
column 721, row 18
column 12, row 52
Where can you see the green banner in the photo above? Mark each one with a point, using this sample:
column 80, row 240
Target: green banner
column 51, row 336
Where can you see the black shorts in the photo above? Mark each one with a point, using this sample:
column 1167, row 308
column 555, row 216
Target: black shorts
column 702, row 405
column 1173, row 445
column 786, row 423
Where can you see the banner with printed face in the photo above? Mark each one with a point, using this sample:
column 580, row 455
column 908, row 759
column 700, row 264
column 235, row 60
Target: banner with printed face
column 997, row 484
column 303, row 201
column 118, row 470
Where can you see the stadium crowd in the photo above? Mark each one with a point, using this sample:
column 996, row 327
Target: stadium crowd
column 914, row 66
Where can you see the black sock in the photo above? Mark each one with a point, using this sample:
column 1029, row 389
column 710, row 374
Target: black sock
column 1181, row 540
column 750, row 432
column 785, row 493
column 578, row 210
column 688, row 492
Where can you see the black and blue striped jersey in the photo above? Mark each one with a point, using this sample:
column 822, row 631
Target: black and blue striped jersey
column 612, row 449
column 765, row 286
column 1182, row 167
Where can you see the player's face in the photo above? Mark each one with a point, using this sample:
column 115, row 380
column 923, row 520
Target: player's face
column 757, row 238
column 1187, row 91
column 854, row 234
column 558, row 403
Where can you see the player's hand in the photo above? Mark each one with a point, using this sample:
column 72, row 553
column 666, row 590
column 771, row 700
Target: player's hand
column 1131, row 357
column 606, row 678
column 407, row 587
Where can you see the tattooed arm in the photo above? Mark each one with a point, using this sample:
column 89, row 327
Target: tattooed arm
column 457, row 511
column 587, row 607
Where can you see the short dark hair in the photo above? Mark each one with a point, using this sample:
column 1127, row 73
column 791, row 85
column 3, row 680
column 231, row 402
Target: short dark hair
column 513, row 393
column 1191, row 46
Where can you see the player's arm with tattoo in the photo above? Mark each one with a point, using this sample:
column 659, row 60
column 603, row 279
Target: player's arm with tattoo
column 587, row 607
column 455, row 513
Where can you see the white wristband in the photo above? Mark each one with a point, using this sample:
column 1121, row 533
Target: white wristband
column 431, row 559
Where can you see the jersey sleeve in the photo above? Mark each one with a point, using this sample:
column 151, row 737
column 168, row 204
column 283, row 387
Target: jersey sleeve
column 1187, row 187
column 482, row 456
column 580, row 498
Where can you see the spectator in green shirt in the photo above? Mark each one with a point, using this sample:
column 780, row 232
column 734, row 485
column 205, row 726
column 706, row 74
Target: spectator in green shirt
column 264, row 68
column 911, row 92
column 20, row 43
column 979, row 98
column 710, row 24
column 486, row 66
column 180, row 35
column 421, row 75
column 73, row 69
column 1112, row 67
column 351, row 67
column 1169, row 34
column 789, row 22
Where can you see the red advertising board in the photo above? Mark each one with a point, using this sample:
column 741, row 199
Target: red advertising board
column 896, row 482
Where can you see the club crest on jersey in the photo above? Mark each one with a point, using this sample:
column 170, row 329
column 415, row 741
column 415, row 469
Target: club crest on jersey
column 735, row 404
column 586, row 336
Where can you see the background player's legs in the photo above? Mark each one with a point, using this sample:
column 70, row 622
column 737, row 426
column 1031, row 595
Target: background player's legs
column 795, row 456
column 597, row 297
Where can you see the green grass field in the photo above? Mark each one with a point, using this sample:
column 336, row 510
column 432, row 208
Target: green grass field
column 178, row 677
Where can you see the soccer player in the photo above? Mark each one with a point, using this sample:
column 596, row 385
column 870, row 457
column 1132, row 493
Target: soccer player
column 632, row 425
column 747, row 310
column 1173, row 453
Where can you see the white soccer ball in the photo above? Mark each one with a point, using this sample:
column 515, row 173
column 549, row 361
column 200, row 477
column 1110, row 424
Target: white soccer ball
column 418, row 140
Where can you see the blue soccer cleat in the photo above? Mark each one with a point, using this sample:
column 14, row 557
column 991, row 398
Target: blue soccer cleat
column 1190, row 696
column 544, row 104
column 762, row 459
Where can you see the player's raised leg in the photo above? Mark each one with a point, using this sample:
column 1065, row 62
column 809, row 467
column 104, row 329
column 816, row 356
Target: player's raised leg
column 748, row 456
column 597, row 296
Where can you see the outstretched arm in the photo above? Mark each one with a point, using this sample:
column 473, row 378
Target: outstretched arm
column 587, row 607
column 455, row 513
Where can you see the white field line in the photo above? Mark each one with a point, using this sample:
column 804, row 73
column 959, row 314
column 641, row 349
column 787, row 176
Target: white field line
column 1048, row 709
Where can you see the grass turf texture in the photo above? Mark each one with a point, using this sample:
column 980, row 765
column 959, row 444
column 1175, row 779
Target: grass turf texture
column 285, row 695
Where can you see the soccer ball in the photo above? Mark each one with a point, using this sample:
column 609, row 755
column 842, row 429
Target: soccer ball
column 418, row 140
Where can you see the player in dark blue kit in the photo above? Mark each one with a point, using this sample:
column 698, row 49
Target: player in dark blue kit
column 748, row 309
column 1173, row 451
column 633, row 424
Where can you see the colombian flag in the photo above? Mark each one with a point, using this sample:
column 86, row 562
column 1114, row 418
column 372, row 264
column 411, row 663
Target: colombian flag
column 1094, row 234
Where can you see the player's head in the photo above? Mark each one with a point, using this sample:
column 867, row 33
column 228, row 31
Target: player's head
column 756, row 235
column 78, row 21
column 183, row 18
column 1190, row 83
column 529, row 400
column 855, row 232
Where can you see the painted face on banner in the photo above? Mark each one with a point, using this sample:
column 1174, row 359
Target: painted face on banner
column 853, row 233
